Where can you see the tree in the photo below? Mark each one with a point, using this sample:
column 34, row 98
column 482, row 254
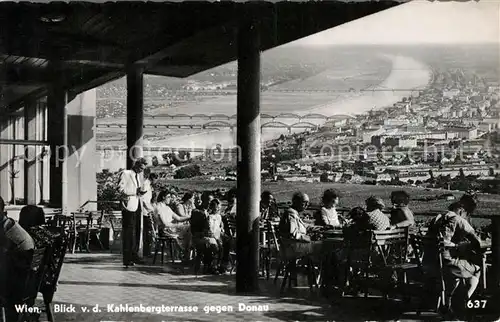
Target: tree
column 166, row 158
column 188, row 171
column 172, row 158
column 324, row 177
column 108, row 189
column 183, row 156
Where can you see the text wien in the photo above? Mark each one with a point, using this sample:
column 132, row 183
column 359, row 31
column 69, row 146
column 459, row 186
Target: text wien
column 27, row 309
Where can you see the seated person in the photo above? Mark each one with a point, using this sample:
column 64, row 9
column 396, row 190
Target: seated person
column 401, row 215
column 231, row 203
column 358, row 237
column 359, row 223
column 358, row 231
column 327, row 215
column 174, row 200
column 377, row 220
column 170, row 224
column 186, row 206
column 197, row 200
column 16, row 251
column 198, row 221
column 199, row 227
column 461, row 241
column 216, row 238
column 13, row 237
column 268, row 207
column 293, row 231
column 469, row 202
column 32, row 219
column 228, row 240
column 230, row 211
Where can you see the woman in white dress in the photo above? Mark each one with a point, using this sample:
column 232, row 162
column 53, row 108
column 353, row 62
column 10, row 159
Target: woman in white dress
column 170, row 224
column 328, row 216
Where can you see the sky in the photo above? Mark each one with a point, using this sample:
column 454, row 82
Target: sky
column 419, row 22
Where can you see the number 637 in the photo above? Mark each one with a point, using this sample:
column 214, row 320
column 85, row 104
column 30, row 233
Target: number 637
column 476, row 304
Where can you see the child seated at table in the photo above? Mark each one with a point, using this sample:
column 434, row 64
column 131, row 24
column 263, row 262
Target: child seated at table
column 215, row 233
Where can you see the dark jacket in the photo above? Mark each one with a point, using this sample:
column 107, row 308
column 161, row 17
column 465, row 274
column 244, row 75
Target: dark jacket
column 199, row 223
column 16, row 251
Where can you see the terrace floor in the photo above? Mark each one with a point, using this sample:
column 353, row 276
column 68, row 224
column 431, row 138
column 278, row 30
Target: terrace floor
column 100, row 279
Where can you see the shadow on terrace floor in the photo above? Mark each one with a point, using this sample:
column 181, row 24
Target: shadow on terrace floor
column 299, row 304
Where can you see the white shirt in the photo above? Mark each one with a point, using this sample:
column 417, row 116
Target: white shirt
column 232, row 211
column 147, row 207
column 163, row 215
column 215, row 226
column 129, row 182
column 330, row 216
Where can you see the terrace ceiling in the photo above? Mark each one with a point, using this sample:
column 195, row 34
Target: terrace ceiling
column 91, row 44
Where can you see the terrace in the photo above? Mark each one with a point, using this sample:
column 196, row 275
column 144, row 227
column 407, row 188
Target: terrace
column 90, row 279
column 54, row 54
column 98, row 278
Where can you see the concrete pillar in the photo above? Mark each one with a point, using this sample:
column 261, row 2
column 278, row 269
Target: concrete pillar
column 82, row 160
column 56, row 129
column 135, row 113
column 248, row 139
column 30, row 153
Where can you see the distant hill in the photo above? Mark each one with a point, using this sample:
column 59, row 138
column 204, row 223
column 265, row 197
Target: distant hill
column 297, row 62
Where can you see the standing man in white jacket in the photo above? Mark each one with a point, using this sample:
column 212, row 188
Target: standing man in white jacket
column 131, row 182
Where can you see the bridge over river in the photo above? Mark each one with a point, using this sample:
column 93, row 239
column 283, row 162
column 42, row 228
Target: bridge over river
column 287, row 121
